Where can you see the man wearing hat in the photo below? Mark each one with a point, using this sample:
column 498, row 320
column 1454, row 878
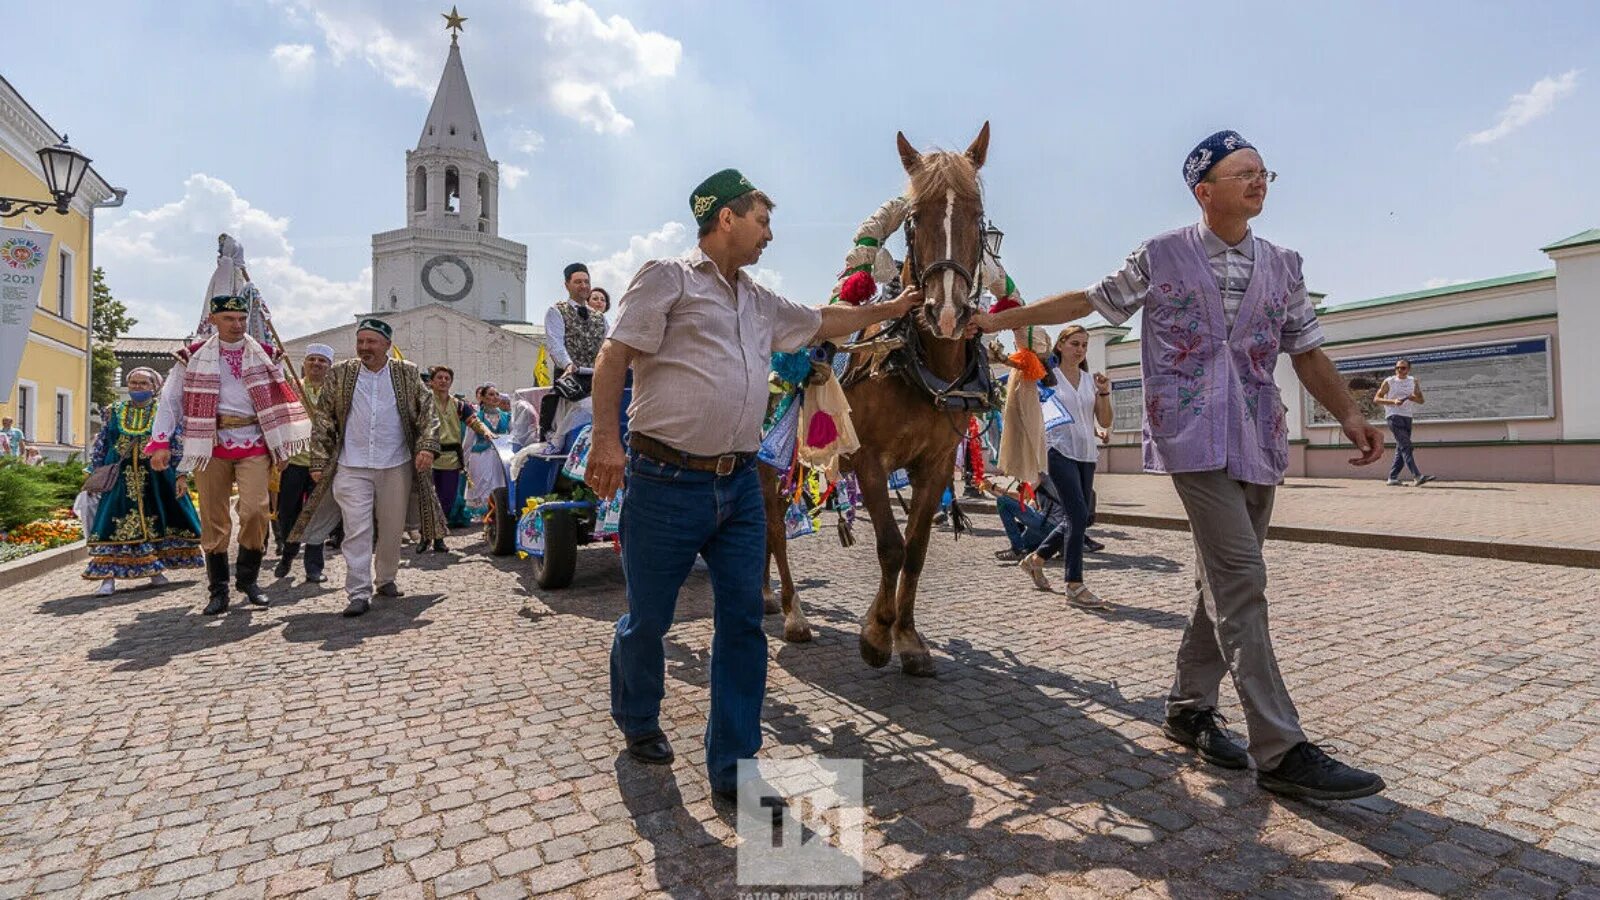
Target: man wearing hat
column 236, row 414
column 573, row 334
column 294, row 483
column 1220, row 304
column 699, row 333
column 373, row 447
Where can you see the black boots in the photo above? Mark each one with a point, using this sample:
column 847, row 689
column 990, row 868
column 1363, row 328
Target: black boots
column 217, row 583
column 245, row 572
column 286, row 560
column 314, row 563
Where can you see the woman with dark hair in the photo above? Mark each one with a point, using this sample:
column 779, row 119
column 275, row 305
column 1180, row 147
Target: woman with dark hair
column 484, row 471
column 1076, row 403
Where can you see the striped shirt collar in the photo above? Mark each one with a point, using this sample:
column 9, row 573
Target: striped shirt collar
column 1216, row 246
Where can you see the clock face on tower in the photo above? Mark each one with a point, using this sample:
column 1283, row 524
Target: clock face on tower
column 446, row 277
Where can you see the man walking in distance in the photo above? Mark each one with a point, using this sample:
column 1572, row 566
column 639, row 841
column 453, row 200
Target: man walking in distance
column 239, row 416
column 373, row 447
column 573, row 335
column 1402, row 393
column 699, row 332
column 294, row 482
column 1219, row 305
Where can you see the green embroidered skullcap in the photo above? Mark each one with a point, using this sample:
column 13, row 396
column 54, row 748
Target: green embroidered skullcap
column 716, row 192
column 229, row 303
column 377, row 325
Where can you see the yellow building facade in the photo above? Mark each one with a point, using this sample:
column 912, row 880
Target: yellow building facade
column 51, row 399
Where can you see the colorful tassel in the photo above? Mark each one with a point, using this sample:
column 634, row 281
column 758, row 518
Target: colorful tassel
column 858, row 288
column 1003, row 304
column 822, row 431
column 1028, row 364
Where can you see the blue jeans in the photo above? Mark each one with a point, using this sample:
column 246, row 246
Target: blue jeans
column 1400, row 426
column 671, row 516
column 1023, row 524
column 1074, row 482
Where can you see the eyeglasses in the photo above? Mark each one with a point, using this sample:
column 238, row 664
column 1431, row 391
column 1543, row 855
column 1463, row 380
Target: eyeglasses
column 1247, row 177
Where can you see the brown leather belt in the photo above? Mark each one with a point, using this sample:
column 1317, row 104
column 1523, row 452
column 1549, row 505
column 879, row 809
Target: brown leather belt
column 235, row 421
column 723, row 465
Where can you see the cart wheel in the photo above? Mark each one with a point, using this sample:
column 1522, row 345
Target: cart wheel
column 555, row 568
column 499, row 526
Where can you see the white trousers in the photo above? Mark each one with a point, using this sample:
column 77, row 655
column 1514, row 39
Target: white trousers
column 364, row 495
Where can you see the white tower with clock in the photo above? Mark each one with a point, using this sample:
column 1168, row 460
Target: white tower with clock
column 450, row 251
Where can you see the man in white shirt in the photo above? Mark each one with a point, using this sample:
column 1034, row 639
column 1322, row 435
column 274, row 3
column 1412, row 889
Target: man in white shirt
column 375, row 432
column 573, row 334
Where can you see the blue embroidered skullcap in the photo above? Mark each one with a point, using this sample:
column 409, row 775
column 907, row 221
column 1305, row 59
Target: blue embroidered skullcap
column 1211, row 151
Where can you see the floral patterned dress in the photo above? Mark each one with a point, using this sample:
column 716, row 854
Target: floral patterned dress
column 142, row 527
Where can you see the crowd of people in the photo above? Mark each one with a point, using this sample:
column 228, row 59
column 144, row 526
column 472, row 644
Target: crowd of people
column 390, row 442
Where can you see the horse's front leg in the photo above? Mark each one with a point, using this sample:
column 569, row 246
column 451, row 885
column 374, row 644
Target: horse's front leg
column 777, row 544
column 877, row 639
column 929, row 484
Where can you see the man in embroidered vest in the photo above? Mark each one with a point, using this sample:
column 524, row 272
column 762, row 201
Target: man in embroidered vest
column 1220, row 305
column 699, row 334
column 573, row 334
column 294, row 483
column 229, row 402
column 376, row 436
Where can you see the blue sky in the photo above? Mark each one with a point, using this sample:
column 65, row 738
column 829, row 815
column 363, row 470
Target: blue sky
column 1417, row 143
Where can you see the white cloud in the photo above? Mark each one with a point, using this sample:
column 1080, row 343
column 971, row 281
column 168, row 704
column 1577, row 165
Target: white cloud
column 561, row 50
column 615, row 271
column 295, row 61
column 158, row 262
column 527, row 141
column 1525, row 108
column 1432, row 283
column 511, row 175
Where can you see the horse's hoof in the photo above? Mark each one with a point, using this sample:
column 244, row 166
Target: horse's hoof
column 919, row 665
column 801, row 635
column 874, row 657
column 770, row 603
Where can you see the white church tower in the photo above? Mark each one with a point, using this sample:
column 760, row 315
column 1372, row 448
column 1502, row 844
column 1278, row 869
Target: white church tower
column 450, row 251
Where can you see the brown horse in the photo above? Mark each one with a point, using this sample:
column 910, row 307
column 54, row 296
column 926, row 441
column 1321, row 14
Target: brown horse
column 899, row 423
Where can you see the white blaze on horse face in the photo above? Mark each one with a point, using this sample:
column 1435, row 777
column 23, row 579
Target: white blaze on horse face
column 947, row 303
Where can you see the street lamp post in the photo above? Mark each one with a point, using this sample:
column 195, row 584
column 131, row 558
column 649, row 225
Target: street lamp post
column 64, row 169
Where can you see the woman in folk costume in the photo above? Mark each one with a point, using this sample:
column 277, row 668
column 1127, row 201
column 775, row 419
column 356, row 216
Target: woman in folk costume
column 144, row 524
column 484, row 470
column 238, row 416
column 456, row 417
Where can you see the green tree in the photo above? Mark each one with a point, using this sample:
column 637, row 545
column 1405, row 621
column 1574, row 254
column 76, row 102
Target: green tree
column 109, row 321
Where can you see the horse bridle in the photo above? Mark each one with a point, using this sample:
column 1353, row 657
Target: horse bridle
column 920, row 274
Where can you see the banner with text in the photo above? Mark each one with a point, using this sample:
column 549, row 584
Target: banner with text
column 1127, row 404
column 1465, row 383
column 22, row 258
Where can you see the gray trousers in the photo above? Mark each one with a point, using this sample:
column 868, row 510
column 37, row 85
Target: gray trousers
column 365, row 495
column 1228, row 632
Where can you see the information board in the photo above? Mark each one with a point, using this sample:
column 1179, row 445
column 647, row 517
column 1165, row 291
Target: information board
column 1464, row 383
column 1127, row 404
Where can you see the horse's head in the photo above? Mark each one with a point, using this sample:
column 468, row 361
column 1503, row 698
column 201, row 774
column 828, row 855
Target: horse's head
column 945, row 231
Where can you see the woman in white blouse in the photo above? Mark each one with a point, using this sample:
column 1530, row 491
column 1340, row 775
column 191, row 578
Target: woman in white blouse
column 1071, row 410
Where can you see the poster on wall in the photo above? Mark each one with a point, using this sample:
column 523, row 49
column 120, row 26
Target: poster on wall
column 1464, row 383
column 1127, row 404
column 22, row 258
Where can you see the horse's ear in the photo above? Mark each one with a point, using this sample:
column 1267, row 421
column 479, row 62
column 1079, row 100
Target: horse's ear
column 979, row 151
column 909, row 157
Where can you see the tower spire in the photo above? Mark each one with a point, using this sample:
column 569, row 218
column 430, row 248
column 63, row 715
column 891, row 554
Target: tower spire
column 454, row 22
column 452, row 122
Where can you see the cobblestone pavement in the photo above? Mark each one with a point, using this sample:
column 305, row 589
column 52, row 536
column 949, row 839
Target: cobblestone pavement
column 1561, row 515
column 457, row 739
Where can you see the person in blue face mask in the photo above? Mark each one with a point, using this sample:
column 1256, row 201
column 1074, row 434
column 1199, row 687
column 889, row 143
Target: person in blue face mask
column 144, row 523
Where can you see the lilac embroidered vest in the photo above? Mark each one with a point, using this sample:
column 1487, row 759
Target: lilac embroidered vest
column 1210, row 401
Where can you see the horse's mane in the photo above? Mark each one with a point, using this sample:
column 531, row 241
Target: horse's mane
column 943, row 170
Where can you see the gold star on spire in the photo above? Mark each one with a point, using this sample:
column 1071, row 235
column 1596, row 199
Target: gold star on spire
column 454, row 22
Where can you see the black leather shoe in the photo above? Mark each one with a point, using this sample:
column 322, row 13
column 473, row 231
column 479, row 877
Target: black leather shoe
column 216, row 584
column 1009, row 555
column 760, row 793
column 357, row 607
column 286, row 559
column 315, row 560
column 438, row 545
column 1200, row 729
column 1306, row 771
column 387, row 589
column 652, row 749
column 423, row 547
column 246, row 570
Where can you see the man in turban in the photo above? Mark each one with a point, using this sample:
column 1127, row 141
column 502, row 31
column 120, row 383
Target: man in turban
column 1220, row 304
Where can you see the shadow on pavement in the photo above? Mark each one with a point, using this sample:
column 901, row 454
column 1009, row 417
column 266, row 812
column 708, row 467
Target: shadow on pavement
column 388, row 615
column 153, row 639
